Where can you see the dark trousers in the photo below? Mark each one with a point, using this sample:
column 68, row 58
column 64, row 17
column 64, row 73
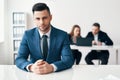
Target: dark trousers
column 77, row 56
column 102, row 55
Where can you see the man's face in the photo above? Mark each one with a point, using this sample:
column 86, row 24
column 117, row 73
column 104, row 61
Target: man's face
column 95, row 30
column 42, row 20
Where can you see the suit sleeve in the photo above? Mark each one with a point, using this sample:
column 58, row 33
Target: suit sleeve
column 107, row 39
column 23, row 53
column 66, row 58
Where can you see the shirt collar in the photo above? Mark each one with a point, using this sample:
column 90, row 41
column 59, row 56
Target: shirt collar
column 96, row 35
column 48, row 33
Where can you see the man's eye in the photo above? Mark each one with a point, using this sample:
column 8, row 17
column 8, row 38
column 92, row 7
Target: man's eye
column 38, row 18
column 45, row 18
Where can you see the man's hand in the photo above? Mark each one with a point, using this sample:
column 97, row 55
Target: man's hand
column 96, row 43
column 41, row 67
column 99, row 43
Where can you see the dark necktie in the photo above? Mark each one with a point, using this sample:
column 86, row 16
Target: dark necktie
column 44, row 46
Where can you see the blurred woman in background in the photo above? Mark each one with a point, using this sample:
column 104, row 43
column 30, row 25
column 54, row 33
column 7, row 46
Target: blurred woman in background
column 75, row 32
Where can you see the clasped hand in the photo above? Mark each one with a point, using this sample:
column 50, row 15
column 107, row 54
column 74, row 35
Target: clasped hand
column 41, row 67
column 96, row 43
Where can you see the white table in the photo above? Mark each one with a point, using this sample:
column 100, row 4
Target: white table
column 98, row 48
column 78, row 72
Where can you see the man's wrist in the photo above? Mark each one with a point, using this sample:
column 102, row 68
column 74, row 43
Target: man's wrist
column 54, row 67
column 29, row 67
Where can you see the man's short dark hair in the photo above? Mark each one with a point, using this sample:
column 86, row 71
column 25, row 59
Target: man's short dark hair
column 40, row 7
column 96, row 25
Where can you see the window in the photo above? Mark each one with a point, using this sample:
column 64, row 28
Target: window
column 1, row 21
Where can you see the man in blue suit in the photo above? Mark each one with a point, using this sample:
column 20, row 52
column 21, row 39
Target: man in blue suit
column 59, row 56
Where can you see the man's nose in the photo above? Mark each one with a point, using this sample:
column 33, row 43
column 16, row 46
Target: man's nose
column 41, row 21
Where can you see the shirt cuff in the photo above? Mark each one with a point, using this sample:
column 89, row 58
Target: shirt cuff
column 27, row 67
column 54, row 67
column 103, row 44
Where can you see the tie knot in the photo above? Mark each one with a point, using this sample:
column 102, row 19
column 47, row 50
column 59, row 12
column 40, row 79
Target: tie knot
column 44, row 36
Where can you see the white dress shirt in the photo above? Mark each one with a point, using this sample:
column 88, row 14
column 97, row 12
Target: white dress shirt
column 96, row 38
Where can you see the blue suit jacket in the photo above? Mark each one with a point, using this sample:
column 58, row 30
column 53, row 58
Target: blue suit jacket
column 59, row 52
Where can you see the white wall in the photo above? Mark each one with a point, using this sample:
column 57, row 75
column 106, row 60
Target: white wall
column 65, row 14
column 5, row 49
column 1, row 21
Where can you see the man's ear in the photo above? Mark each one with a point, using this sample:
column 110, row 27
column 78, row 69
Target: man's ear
column 50, row 17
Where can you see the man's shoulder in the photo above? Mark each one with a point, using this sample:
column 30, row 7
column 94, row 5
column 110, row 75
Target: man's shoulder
column 102, row 32
column 58, row 31
column 30, row 32
column 90, row 33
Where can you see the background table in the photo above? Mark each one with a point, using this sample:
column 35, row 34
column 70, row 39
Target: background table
column 89, row 48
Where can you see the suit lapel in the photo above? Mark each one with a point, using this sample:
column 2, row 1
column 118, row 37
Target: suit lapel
column 37, row 42
column 99, row 36
column 52, row 41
